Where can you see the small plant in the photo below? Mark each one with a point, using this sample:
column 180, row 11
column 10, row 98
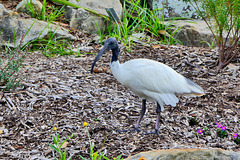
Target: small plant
column 210, row 45
column 223, row 20
column 221, row 131
column 10, row 62
column 30, row 7
column 53, row 46
column 236, row 138
column 98, row 155
column 100, row 33
column 204, row 131
column 152, row 22
column 57, row 146
column 193, row 121
column 139, row 19
column 53, row 13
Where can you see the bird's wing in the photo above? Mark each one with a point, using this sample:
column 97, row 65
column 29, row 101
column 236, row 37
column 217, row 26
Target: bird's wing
column 159, row 79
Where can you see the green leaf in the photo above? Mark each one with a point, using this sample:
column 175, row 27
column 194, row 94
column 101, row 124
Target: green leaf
column 64, row 2
column 65, row 154
column 55, row 140
column 54, row 147
column 82, row 157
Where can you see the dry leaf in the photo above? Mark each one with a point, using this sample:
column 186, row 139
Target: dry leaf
column 1, row 131
column 64, row 144
column 159, row 46
column 156, row 46
column 104, row 69
column 101, row 70
column 17, row 147
column 96, row 70
column 163, row 32
column 193, row 115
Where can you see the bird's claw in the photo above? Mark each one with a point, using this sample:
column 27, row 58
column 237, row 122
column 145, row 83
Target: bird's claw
column 126, row 130
column 153, row 132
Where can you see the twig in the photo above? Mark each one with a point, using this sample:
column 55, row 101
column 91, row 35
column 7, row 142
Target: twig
column 25, row 125
column 9, row 101
column 9, row 106
column 190, row 64
column 1, row 98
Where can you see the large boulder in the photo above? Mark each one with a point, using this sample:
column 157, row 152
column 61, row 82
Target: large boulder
column 13, row 27
column 86, row 21
column 187, row 154
column 194, row 33
column 179, row 8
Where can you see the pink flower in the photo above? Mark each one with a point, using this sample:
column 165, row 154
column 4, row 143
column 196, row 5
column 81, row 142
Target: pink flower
column 224, row 128
column 220, row 126
column 218, row 123
column 235, row 135
column 200, row 131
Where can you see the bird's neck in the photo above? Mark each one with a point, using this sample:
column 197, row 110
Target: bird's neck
column 115, row 53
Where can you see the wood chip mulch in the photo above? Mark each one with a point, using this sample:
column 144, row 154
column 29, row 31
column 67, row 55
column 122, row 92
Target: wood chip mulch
column 61, row 92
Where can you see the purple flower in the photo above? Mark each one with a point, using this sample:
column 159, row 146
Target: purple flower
column 224, row 128
column 235, row 135
column 200, row 131
column 220, row 126
column 218, row 123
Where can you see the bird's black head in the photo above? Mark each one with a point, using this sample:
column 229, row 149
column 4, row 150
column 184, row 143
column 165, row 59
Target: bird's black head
column 110, row 44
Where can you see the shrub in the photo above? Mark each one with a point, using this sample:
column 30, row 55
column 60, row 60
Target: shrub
column 10, row 63
column 222, row 18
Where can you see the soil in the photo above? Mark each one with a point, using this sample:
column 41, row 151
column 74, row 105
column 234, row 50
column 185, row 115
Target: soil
column 61, row 92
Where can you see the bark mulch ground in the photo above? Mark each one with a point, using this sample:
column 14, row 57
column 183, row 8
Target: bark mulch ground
column 61, row 92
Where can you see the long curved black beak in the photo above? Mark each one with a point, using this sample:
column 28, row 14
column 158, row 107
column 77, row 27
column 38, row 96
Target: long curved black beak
column 102, row 51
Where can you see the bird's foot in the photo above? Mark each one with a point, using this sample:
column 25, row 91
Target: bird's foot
column 126, row 130
column 153, row 132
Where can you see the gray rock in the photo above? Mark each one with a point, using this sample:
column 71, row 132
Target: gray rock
column 177, row 8
column 187, row 154
column 37, row 5
column 194, row 33
column 86, row 21
column 11, row 22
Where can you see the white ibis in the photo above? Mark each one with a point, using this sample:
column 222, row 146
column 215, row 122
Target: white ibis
column 150, row 80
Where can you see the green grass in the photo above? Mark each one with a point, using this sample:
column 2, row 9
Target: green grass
column 48, row 14
column 52, row 46
column 139, row 19
column 147, row 21
column 96, row 155
column 57, row 147
column 10, row 62
column 61, row 153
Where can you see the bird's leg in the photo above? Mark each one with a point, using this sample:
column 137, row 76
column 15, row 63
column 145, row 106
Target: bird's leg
column 157, row 121
column 139, row 119
column 142, row 114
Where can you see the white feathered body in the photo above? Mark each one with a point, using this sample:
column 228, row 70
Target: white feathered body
column 154, row 81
